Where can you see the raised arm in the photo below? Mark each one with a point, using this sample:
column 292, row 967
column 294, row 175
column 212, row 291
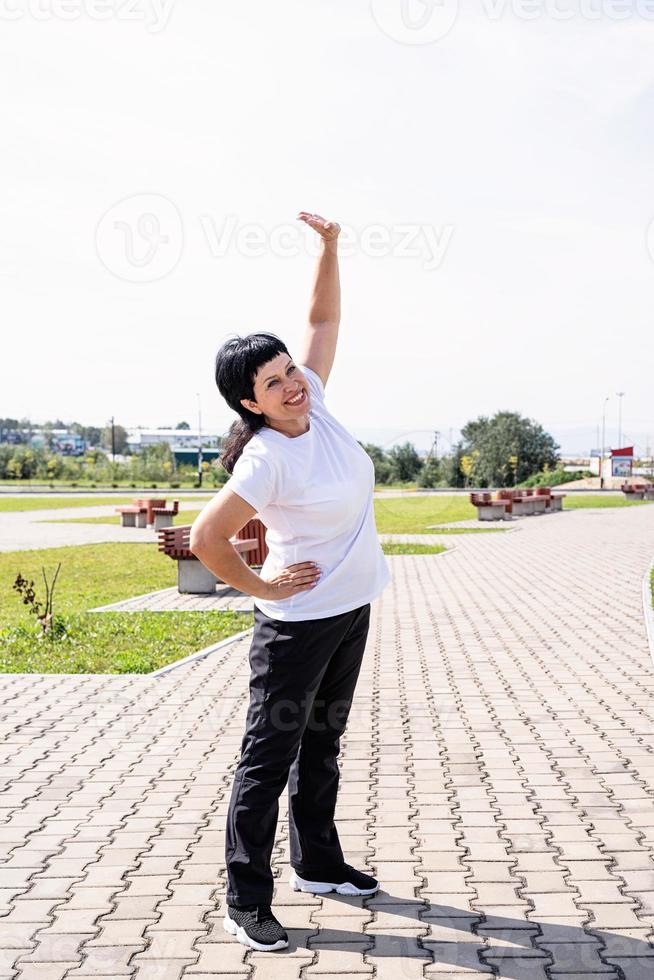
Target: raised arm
column 320, row 339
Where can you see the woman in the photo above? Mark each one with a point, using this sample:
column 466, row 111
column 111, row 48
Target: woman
column 312, row 485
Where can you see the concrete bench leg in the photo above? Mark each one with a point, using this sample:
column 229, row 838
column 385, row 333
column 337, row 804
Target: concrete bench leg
column 128, row 520
column 649, row 495
column 194, row 577
column 539, row 505
column 638, row 495
column 163, row 520
column 141, row 519
column 489, row 513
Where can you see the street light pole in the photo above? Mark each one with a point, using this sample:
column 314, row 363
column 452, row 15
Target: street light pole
column 620, row 395
column 603, row 440
column 199, row 442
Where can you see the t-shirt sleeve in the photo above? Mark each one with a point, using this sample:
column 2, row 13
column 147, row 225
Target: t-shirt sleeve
column 253, row 479
column 316, row 387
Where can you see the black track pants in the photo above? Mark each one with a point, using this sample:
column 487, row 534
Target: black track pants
column 302, row 680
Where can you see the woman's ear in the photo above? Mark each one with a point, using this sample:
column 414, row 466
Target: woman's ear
column 251, row 406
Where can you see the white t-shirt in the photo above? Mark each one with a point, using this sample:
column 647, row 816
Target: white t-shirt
column 314, row 494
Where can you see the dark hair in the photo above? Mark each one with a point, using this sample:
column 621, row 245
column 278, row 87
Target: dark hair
column 237, row 363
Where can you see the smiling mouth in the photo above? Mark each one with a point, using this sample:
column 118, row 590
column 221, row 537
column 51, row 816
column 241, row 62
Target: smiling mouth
column 297, row 399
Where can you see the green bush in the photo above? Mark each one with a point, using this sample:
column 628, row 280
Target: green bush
column 430, row 474
column 554, row 478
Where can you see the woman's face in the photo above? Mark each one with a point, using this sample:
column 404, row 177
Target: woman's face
column 281, row 391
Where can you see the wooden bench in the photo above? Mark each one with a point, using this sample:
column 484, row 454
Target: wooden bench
column 139, row 512
column 192, row 575
column 150, row 503
column 638, row 490
column 536, row 503
column 132, row 516
column 557, row 499
column 163, row 516
column 511, row 501
column 489, row 509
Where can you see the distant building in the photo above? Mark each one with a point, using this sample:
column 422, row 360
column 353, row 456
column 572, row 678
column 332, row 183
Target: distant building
column 183, row 443
column 63, row 441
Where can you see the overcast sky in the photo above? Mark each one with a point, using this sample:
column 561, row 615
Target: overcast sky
column 491, row 165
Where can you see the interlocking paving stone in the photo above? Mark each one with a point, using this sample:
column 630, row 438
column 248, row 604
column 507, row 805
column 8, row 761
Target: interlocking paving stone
column 498, row 774
column 164, row 600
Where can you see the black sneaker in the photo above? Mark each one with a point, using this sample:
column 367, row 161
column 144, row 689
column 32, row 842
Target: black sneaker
column 346, row 881
column 255, row 926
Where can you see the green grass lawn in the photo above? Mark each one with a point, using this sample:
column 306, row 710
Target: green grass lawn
column 93, row 575
column 397, row 515
column 11, row 504
column 412, row 515
column 575, row 501
column 397, row 548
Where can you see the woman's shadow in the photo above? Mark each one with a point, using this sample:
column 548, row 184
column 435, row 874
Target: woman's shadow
column 471, row 941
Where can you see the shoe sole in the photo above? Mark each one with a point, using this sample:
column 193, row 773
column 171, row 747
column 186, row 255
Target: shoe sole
column 235, row 930
column 323, row 887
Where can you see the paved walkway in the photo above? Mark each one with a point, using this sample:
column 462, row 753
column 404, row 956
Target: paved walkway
column 164, row 600
column 498, row 776
column 25, row 530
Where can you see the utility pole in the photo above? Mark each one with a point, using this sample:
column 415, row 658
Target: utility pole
column 603, row 441
column 620, row 395
column 199, row 441
column 113, row 442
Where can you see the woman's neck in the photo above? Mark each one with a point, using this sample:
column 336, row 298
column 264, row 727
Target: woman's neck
column 291, row 428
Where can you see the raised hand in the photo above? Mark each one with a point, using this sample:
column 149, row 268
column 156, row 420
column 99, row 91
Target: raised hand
column 328, row 230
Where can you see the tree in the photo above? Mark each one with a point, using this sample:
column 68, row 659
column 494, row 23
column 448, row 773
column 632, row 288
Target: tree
column 91, row 434
column 48, row 436
column 405, row 463
column 493, row 443
column 452, row 474
column 120, row 438
column 182, row 425
column 430, row 474
column 380, row 461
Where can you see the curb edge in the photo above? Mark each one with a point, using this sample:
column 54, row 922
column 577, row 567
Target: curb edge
column 200, row 654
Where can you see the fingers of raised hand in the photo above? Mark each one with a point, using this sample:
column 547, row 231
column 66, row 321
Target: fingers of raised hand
column 320, row 224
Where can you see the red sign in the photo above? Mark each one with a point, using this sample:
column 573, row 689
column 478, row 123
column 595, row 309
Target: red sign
column 627, row 451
